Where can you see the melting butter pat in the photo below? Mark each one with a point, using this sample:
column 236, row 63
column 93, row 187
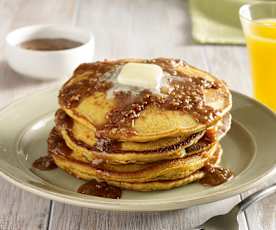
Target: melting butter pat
column 141, row 75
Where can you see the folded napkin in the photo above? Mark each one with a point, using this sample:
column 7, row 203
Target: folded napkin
column 216, row 21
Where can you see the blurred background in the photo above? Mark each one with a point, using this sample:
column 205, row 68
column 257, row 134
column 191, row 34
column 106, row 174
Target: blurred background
column 127, row 28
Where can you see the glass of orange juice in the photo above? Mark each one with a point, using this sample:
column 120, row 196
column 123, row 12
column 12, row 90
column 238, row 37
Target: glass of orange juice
column 259, row 27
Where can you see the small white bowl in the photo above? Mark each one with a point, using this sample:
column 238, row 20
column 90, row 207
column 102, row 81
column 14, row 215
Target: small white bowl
column 48, row 64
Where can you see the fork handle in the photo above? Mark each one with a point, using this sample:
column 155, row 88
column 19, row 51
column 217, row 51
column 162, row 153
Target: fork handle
column 256, row 197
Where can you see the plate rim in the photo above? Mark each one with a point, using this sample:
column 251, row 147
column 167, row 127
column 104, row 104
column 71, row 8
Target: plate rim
column 108, row 204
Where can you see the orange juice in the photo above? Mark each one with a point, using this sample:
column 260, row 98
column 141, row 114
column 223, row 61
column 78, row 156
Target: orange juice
column 261, row 42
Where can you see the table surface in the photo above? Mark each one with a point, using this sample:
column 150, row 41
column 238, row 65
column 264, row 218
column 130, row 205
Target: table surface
column 124, row 28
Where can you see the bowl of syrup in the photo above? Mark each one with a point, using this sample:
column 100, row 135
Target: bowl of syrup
column 48, row 51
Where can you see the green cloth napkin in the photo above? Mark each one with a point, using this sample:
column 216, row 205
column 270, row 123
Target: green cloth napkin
column 216, row 21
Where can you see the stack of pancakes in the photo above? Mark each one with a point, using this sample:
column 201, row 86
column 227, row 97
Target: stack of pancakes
column 135, row 138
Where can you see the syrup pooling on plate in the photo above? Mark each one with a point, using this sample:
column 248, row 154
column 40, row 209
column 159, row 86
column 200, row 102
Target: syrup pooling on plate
column 44, row 163
column 215, row 175
column 101, row 189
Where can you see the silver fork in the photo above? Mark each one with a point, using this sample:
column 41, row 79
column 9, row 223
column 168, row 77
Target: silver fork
column 229, row 220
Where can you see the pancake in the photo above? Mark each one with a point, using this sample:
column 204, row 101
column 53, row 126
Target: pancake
column 137, row 115
column 145, row 180
column 75, row 130
column 159, row 185
column 125, row 172
column 165, row 149
column 80, row 133
column 163, row 170
column 169, row 184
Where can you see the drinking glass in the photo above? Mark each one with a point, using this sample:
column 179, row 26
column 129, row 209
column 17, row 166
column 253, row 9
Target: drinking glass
column 259, row 26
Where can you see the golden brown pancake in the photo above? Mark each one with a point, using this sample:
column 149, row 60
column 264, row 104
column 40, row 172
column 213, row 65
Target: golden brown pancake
column 90, row 98
column 80, row 133
column 118, row 152
column 128, row 172
column 165, row 149
column 162, row 176
column 163, row 170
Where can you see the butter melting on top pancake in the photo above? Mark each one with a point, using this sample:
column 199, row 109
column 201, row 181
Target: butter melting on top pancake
column 181, row 91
